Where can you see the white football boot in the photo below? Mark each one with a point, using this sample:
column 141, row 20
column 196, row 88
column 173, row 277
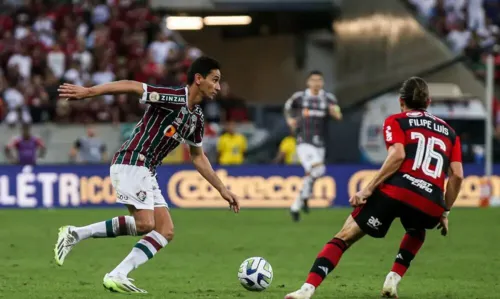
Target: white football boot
column 390, row 289
column 305, row 292
column 66, row 240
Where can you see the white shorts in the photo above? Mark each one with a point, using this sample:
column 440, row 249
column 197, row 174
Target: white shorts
column 310, row 155
column 136, row 186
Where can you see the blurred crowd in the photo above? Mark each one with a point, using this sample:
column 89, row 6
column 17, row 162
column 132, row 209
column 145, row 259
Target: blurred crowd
column 468, row 26
column 86, row 42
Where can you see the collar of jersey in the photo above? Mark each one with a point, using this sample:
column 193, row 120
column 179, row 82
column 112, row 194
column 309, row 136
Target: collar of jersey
column 321, row 92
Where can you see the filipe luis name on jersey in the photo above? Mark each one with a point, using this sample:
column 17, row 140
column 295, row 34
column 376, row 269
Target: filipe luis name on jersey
column 429, row 125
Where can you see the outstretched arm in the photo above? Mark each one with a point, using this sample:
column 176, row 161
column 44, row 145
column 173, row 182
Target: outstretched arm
column 72, row 92
column 204, row 167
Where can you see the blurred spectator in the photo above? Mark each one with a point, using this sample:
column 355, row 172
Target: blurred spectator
column 234, row 107
column 161, row 48
column 231, row 146
column 26, row 147
column 287, row 152
column 459, row 38
column 18, row 111
column 21, row 61
column 89, row 149
column 56, row 61
column 212, row 110
column 85, row 43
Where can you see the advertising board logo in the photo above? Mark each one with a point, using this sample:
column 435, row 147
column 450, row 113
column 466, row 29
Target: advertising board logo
column 187, row 189
column 468, row 197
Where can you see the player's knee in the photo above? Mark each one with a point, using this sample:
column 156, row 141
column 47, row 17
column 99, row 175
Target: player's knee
column 346, row 238
column 417, row 234
column 167, row 233
column 144, row 226
column 318, row 171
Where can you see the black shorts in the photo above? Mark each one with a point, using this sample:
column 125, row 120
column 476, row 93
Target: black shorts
column 376, row 216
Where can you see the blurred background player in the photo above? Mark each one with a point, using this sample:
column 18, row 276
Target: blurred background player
column 422, row 149
column 173, row 117
column 89, row 149
column 307, row 113
column 27, row 147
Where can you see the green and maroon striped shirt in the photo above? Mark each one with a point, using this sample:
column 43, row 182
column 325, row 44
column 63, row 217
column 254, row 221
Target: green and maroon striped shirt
column 166, row 123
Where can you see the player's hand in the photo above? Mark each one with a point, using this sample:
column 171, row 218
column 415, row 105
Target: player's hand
column 232, row 199
column 360, row 198
column 73, row 92
column 443, row 226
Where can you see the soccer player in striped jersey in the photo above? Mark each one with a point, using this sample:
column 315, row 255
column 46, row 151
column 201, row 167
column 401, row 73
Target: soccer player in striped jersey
column 410, row 185
column 307, row 113
column 172, row 117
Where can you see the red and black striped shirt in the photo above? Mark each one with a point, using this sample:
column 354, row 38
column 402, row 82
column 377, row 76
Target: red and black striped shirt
column 430, row 146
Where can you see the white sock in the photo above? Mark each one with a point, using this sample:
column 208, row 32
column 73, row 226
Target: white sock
column 143, row 251
column 307, row 185
column 297, row 204
column 117, row 226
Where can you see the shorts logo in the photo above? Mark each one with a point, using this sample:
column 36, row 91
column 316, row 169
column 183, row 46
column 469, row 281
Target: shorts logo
column 141, row 195
column 374, row 223
column 154, row 97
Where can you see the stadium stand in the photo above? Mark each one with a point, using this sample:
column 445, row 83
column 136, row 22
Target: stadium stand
column 43, row 43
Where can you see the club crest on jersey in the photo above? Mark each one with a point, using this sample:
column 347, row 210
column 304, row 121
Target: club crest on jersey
column 414, row 114
column 184, row 110
column 154, row 97
column 170, row 131
column 141, row 195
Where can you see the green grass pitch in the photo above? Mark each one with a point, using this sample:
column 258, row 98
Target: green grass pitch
column 203, row 260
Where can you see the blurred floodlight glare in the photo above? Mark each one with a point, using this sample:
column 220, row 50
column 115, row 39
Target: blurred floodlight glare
column 184, row 23
column 227, row 20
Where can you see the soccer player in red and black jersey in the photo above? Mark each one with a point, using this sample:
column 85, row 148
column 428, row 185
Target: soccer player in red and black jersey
column 410, row 186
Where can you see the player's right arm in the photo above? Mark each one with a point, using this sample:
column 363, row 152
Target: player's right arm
column 9, row 148
column 71, row 91
column 290, row 105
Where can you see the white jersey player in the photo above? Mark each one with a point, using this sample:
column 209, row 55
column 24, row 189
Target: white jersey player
column 307, row 113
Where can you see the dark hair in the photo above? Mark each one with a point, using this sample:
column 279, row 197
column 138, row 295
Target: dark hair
column 315, row 72
column 203, row 66
column 415, row 93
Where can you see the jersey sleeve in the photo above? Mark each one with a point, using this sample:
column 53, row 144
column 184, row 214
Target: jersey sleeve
column 14, row 143
column 292, row 103
column 456, row 151
column 331, row 98
column 196, row 139
column 392, row 132
column 163, row 95
column 39, row 142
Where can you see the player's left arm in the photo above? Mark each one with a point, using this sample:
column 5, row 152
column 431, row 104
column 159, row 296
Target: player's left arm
column 202, row 164
column 42, row 148
column 333, row 107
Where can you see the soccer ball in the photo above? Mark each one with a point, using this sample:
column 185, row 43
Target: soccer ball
column 255, row 274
